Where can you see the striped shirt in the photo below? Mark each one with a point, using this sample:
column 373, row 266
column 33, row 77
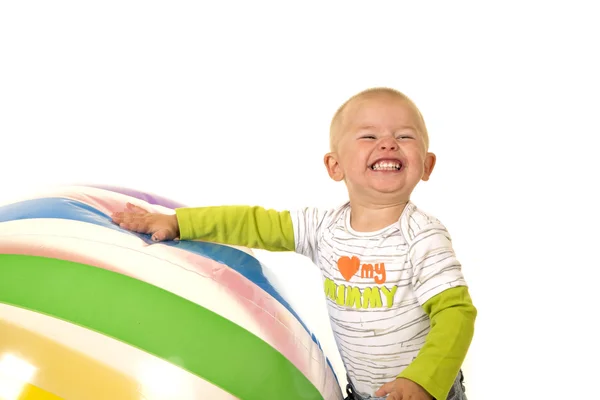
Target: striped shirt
column 376, row 283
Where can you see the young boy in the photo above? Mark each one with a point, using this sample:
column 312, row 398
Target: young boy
column 399, row 305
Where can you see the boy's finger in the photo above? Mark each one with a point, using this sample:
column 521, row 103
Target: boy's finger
column 136, row 209
column 127, row 217
column 161, row 235
column 386, row 388
column 119, row 217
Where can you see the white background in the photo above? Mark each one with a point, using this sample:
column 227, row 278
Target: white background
column 229, row 103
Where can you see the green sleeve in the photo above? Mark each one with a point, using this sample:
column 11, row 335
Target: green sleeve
column 452, row 315
column 253, row 227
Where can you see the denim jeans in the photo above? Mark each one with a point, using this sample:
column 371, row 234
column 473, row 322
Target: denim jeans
column 457, row 391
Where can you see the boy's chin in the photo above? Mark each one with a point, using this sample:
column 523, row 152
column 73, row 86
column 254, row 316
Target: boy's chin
column 389, row 195
column 389, row 189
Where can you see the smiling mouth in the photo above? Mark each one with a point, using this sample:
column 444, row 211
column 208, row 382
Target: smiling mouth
column 386, row 166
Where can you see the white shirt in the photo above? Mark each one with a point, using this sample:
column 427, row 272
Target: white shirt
column 376, row 283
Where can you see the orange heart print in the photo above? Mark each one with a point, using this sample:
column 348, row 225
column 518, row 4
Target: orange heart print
column 348, row 266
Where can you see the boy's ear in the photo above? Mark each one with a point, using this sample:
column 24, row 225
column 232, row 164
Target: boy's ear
column 333, row 167
column 430, row 160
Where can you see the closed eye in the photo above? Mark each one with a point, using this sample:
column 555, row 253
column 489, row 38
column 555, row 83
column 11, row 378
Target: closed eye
column 368, row 137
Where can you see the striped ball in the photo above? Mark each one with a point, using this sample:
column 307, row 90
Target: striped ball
column 91, row 311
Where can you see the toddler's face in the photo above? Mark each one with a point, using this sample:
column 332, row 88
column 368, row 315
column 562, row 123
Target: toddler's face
column 381, row 148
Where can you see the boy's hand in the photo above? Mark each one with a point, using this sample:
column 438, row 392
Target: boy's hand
column 403, row 389
column 136, row 219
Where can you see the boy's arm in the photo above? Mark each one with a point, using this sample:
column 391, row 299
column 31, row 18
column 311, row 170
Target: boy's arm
column 253, row 227
column 452, row 315
column 439, row 284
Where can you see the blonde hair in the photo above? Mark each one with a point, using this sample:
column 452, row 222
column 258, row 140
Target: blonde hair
column 337, row 117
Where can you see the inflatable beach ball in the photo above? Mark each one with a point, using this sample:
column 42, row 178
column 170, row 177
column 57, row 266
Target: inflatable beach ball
column 91, row 311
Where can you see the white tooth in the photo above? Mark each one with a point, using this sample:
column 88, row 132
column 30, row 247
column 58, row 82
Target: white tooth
column 386, row 165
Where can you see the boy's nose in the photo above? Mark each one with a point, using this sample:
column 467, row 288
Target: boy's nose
column 388, row 144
